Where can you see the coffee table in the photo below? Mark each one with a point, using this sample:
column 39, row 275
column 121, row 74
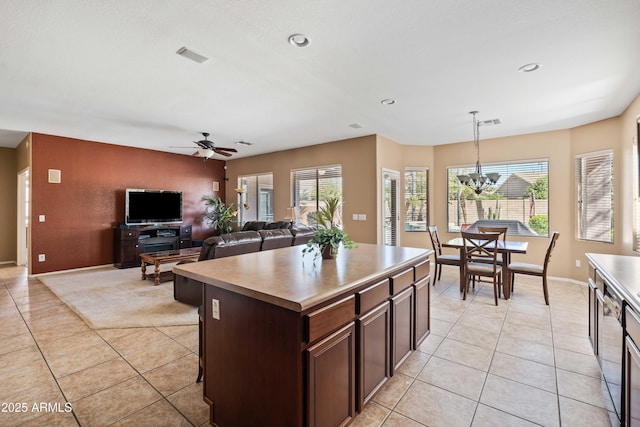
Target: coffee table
column 165, row 257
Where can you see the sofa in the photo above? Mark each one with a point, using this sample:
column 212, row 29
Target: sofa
column 253, row 237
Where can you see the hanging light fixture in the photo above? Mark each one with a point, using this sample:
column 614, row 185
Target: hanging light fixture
column 477, row 181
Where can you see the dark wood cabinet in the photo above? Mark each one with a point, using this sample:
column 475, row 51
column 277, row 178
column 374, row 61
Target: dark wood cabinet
column 129, row 243
column 297, row 344
column 374, row 336
column 331, row 378
column 402, row 327
column 185, row 236
column 422, row 290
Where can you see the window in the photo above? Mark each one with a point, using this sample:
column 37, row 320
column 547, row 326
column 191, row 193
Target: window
column 519, row 200
column 416, row 212
column 636, row 204
column 311, row 187
column 594, row 195
column 255, row 198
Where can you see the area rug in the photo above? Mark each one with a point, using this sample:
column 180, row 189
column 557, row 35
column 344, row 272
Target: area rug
column 108, row 297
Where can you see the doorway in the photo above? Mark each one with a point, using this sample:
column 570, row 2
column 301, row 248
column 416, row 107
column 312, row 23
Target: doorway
column 22, row 253
column 390, row 207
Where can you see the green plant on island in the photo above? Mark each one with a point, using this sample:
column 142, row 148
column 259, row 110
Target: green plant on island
column 327, row 239
column 219, row 215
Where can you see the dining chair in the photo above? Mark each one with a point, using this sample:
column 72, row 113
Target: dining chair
column 535, row 269
column 500, row 230
column 441, row 259
column 480, row 254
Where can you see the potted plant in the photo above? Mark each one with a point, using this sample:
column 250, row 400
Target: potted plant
column 219, row 215
column 327, row 239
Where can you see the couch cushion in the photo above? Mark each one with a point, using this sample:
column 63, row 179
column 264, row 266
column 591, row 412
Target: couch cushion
column 239, row 242
column 277, row 225
column 273, row 239
column 302, row 233
column 253, row 225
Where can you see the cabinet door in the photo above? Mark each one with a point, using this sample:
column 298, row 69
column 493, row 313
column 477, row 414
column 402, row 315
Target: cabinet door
column 593, row 316
column 331, row 379
column 374, row 337
column 632, row 384
column 401, row 327
column 130, row 253
column 422, row 311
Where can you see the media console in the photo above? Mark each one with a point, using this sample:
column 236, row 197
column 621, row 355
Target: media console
column 129, row 243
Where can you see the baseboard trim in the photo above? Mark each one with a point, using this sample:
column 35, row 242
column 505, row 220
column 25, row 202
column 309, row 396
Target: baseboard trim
column 72, row 270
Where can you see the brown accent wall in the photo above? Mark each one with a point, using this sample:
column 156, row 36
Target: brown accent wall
column 8, row 207
column 82, row 210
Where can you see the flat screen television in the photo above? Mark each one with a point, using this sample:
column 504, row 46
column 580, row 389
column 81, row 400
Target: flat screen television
column 147, row 207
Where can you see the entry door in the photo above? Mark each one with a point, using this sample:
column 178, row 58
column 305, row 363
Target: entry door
column 390, row 204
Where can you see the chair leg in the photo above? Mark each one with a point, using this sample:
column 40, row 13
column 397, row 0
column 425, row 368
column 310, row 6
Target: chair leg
column 544, row 288
column 495, row 289
column 513, row 279
column 465, row 286
column 440, row 272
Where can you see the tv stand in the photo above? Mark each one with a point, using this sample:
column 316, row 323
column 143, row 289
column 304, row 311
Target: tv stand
column 130, row 242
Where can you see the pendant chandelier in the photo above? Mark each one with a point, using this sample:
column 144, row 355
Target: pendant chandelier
column 477, row 181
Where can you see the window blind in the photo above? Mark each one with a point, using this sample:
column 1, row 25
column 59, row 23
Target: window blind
column 416, row 199
column 311, row 187
column 594, row 196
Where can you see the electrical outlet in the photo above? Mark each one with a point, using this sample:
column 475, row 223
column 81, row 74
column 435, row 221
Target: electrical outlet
column 362, row 217
column 577, row 263
column 215, row 309
column 41, row 218
column 41, row 258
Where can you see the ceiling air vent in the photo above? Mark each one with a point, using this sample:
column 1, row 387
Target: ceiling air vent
column 183, row 51
column 489, row 122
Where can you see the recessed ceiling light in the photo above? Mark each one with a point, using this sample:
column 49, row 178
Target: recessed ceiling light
column 356, row 125
column 388, row 101
column 299, row 40
column 529, row 67
column 243, row 143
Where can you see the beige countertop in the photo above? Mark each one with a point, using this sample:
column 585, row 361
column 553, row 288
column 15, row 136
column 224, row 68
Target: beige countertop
column 285, row 278
column 622, row 272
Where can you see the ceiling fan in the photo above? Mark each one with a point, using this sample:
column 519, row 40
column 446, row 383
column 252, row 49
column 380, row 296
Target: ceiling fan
column 208, row 148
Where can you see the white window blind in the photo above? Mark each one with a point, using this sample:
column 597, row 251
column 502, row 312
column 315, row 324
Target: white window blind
column 416, row 199
column 594, row 195
column 311, row 187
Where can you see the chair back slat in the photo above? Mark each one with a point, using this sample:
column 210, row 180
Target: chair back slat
column 550, row 247
column 435, row 240
column 500, row 230
column 481, row 247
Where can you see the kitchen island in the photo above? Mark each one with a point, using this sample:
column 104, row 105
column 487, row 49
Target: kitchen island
column 291, row 341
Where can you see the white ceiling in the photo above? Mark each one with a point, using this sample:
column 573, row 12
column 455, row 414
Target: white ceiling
column 109, row 72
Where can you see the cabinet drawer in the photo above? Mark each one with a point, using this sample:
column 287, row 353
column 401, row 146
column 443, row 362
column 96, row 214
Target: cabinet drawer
column 401, row 281
column 422, row 270
column 592, row 272
column 128, row 234
column 372, row 296
column 632, row 322
column 330, row 318
column 599, row 282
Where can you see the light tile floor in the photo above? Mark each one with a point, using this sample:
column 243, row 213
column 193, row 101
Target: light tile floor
column 521, row 363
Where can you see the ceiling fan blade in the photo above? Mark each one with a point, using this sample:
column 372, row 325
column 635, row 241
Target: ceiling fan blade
column 222, row 153
column 232, row 150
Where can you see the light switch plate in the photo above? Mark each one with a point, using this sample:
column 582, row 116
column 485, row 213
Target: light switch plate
column 41, row 218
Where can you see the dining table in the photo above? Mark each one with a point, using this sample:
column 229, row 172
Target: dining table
column 506, row 248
